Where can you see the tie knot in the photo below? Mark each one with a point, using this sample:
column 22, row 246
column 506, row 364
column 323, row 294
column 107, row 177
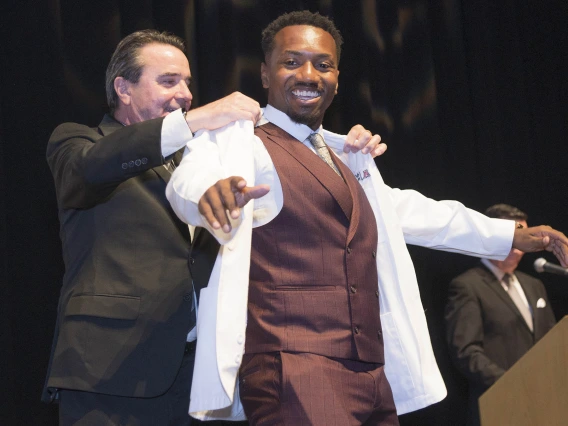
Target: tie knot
column 316, row 140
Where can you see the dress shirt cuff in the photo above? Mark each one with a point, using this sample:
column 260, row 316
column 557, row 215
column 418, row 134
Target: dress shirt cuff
column 175, row 133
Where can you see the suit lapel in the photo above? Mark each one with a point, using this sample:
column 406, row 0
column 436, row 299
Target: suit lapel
column 196, row 233
column 319, row 169
column 495, row 285
column 354, row 189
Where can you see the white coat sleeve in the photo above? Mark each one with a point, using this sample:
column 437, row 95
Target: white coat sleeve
column 450, row 226
column 203, row 164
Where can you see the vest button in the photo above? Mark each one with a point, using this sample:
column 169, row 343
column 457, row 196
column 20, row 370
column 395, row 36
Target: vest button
column 356, row 330
column 379, row 334
column 377, row 293
column 191, row 260
column 187, row 297
column 348, row 250
column 353, row 289
column 374, row 255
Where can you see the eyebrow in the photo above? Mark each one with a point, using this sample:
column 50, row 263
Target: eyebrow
column 298, row 53
column 176, row 74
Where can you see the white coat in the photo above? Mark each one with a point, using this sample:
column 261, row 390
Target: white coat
column 403, row 217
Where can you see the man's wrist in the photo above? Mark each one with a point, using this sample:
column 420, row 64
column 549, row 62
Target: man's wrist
column 193, row 116
column 184, row 113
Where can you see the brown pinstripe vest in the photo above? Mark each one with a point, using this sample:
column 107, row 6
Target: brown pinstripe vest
column 313, row 277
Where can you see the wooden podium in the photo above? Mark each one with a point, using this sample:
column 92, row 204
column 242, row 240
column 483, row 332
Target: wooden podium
column 534, row 391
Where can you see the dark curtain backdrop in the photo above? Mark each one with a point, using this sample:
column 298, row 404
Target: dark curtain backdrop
column 471, row 97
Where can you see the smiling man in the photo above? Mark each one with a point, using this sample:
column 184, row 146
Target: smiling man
column 301, row 71
column 328, row 307
column 122, row 350
column 124, row 343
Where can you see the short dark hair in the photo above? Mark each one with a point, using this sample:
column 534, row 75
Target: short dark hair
column 125, row 61
column 300, row 17
column 505, row 211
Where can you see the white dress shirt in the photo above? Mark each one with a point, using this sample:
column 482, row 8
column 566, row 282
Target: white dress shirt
column 499, row 274
column 175, row 133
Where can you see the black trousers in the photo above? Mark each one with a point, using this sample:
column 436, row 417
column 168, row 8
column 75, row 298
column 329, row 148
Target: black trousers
column 78, row 408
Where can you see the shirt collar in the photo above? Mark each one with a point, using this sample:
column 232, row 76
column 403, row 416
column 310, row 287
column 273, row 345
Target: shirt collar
column 499, row 274
column 277, row 117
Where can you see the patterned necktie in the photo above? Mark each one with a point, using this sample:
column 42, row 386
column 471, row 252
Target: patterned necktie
column 523, row 309
column 321, row 149
column 170, row 165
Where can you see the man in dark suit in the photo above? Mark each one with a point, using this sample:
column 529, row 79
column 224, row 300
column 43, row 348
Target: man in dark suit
column 494, row 315
column 124, row 343
column 121, row 351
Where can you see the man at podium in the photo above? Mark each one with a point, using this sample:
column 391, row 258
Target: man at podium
column 494, row 315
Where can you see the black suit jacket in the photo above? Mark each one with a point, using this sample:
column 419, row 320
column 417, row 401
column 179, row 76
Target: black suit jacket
column 126, row 302
column 485, row 331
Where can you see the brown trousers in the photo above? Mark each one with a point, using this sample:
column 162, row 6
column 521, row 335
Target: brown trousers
column 281, row 388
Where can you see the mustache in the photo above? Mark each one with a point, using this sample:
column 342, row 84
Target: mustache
column 307, row 86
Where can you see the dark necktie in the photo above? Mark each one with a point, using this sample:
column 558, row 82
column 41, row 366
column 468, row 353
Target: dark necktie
column 321, row 149
column 516, row 297
column 170, row 162
column 170, row 166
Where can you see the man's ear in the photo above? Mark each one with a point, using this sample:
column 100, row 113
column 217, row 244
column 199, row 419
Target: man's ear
column 337, row 85
column 122, row 89
column 264, row 76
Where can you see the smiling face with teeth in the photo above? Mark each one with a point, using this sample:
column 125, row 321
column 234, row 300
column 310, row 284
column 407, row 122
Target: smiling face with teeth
column 162, row 88
column 301, row 73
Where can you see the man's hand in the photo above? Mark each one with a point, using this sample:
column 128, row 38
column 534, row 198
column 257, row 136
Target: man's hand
column 217, row 114
column 228, row 195
column 537, row 238
column 360, row 139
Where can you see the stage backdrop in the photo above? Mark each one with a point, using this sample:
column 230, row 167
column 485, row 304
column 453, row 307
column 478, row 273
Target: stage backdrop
column 471, row 98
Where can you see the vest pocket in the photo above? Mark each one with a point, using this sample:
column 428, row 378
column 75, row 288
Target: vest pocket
column 305, row 287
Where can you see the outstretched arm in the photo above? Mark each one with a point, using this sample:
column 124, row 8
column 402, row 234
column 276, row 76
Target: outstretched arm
column 538, row 238
column 226, row 198
column 199, row 190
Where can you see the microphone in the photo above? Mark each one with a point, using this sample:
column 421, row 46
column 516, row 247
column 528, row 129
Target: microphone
column 541, row 265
